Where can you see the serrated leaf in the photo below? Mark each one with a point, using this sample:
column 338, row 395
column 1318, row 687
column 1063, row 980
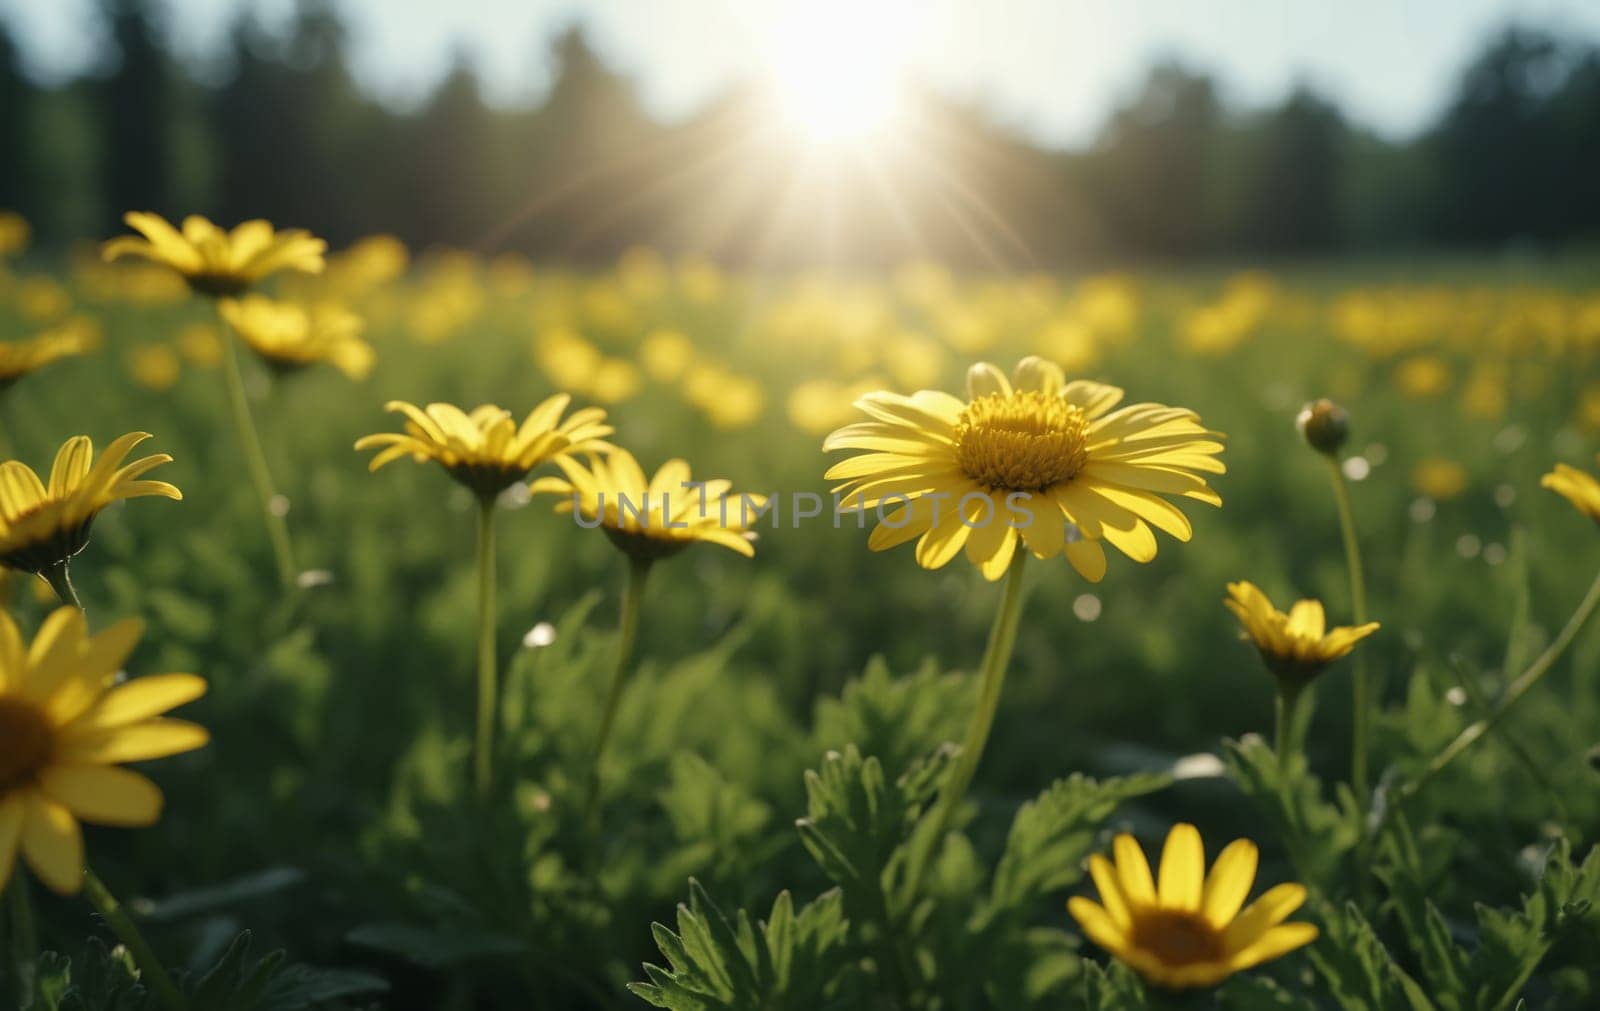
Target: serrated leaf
column 787, row 963
column 1053, row 834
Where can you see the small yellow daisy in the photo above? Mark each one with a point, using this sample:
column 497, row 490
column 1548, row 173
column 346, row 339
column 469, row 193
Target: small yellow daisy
column 651, row 518
column 44, row 526
column 486, row 450
column 1032, row 460
column 1188, row 931
column 24, row 357
column 289, row 337
column 1298, row 644
column 217, row 262
column 66, row 724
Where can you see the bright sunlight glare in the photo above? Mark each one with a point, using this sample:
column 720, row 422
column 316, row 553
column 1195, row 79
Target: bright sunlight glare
column 838, row 67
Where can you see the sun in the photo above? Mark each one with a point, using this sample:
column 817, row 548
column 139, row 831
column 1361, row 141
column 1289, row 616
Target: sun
column 838, row 67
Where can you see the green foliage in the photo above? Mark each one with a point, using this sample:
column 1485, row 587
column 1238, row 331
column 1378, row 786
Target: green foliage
column 104, row 979
column 1053, row 835
column 789, row 962
column 1318, row 835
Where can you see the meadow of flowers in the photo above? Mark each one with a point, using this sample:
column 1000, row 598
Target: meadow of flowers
column 440, row 631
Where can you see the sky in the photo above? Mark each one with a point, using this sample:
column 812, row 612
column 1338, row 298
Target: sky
column 1051, row 68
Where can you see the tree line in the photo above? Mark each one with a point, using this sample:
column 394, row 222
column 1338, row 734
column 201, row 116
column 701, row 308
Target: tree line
column 283, row 131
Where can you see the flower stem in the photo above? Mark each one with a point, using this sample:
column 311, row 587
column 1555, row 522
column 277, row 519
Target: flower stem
column 61, row 582
column 488, row 681
column 1284, row 729
column 1361, row 687
column 151, row 972
column 627, row 635
column 256, row 460
column 22, row 938
column 992, row 677
column 1513, row 694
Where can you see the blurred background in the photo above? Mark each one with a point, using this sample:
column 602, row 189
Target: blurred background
column 763, row 133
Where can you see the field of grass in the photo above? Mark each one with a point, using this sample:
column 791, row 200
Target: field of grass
column 332, row 814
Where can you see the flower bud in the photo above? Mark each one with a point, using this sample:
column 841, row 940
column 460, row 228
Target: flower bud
column 1325, row 426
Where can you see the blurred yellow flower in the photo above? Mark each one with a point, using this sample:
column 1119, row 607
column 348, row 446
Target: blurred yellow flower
column 14, row 233
column 42, row 299
column 1423, row 377
column 1188, row 931
column 1439, row 478
column 700, row 280
column 43, row 526
column 485, row 450
column 154, row 367
column 67, row 722
column 21, row 358
column 1577, row 487
column 665, row 353
column 200, row 344
column 213, row 261
column 566, row 358
column 1033, row 460
column 1296, row 645
column 614, row 380
column 290, row 337
column 369, row 263
column 728, row 400
column 656, row 517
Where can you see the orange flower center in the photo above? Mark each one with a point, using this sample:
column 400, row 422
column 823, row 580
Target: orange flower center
column 1027, row 441
column 1176, row 938
column 25, row 742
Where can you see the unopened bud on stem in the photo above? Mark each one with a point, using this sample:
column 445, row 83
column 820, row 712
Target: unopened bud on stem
column 1325, row 426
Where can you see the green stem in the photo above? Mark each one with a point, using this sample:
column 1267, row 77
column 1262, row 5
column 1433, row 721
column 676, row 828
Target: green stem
column 627, row 635
column 1513, row 694
column 1361, row 687
column 488, row 681
column 992, row 677
column 1284, row 731
column 22, row 938
column 151, row 972
column 61, row 582
column 256, row 460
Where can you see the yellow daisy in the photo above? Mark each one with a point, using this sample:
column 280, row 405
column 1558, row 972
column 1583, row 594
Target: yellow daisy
column 1577, row 487
column 20, row 358
column 43, row 526
column 290, row 337
column 1188, row 930
column 66, row 723
column 214, row 261
column 1034, row 459
column 1297, row 644
column 652, row 518
column 486, row 450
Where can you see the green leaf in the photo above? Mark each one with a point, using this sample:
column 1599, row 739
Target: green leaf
column 1113, row 988
column 227, row 895
column 1359, row 971
column 1053, row 834
column 857, row 824
column 431, row 948
column 897, row 719
column 790, row 962
column 239, row 982
column 1317, row 834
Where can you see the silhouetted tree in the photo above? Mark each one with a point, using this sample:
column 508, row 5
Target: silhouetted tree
column 133, row 104
column 1502, row 155
column 1151, row 171
column 1293, row 199
column 16, row 99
